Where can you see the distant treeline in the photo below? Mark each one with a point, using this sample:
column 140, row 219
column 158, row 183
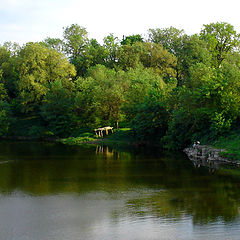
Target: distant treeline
column 170, row 87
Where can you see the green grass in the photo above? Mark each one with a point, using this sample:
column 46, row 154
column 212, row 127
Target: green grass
column 77, row 140
column 81, row 139
column 231, row 144
column 119, row 137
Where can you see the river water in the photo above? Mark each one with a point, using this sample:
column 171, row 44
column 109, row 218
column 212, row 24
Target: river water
column 57, row 192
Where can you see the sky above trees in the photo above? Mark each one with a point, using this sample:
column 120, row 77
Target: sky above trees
column 33, row 20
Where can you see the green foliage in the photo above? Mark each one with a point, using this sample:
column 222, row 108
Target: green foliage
column 169, row 38
column 75, row 39
column 12, row 47
column 111, row 45
column 36, row 131
column 38, row 66
column 150, row 55
column 191, row 51
column 3, row 93
column 100, row 95
column 6, row 118
column 208, row 104
column 8, row 72
column 53, row 43
column 179, row 132
column 151, row 116
column 92, row 55
column 57, row 109
column 82, row 138
column 220, row 124
column 221, row 39
column 140, row 81
column 173, row 88
column 230, row 142
column 131, row 39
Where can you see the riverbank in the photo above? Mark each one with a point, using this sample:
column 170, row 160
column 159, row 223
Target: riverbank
column 224, row 150
column 231, row 144
column 120, row 137
column 204, row 155
column 228, row 146
column 123, row 136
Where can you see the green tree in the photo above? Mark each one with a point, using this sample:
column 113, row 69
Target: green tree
column 6, row 118
column 57, row 109
column 151, row 116
column 169, row 38
column 140, row 81
column 131, row 39
column 54, row 43
column 3, row 92
column 8, row 65
column 189, row 50
column 111, row 45
column 38, row 66
column 100, row 96
column 93, row 54
column 12, row 47
column 193, row 51
column 150, row 55
column 221, row 39
column 75, row 39
column 206, row 107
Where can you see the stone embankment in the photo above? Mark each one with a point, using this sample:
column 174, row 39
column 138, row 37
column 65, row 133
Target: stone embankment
column 203, row 155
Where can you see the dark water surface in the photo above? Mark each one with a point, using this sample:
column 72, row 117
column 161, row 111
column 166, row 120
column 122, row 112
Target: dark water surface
column 54, row 192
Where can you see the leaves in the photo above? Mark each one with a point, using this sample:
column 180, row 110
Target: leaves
column 221, row 39
column 38, row 66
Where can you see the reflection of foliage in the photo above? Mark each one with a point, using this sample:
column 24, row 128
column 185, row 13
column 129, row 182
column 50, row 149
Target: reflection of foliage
column 161, row 187
column 203, row 205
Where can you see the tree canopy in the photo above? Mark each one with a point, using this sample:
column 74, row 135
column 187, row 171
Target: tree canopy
column 170, row 87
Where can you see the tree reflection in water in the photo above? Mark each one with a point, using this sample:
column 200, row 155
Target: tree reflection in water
column 147, row 182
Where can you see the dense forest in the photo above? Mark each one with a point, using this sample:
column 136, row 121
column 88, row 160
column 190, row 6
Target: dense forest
column 168, row 86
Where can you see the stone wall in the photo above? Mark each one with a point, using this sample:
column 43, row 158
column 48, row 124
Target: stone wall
column 208, row 156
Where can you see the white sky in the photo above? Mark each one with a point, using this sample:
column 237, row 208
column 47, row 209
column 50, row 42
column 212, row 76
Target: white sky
column 33, row 20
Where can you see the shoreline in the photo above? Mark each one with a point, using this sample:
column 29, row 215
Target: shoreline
column 206, row 155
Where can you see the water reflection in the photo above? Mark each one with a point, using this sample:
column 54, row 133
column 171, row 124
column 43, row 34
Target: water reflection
column 101, row 186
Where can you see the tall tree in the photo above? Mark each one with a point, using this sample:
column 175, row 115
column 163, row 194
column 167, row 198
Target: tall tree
column 193, row 51
column 140, row 82
column 101, row 95
column 93, row 54
column 75, row 40
column 38, row 66
column 150, row 55
column 9, row 75
column 169, row 38
column 221, row 39
column 111, row 44
column 57, row 109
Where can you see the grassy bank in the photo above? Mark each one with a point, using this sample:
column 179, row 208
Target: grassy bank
column 231, row 143
column 123, row 136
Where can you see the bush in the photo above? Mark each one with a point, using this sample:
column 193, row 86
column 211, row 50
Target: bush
column 78, row 140
column 6, row 118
